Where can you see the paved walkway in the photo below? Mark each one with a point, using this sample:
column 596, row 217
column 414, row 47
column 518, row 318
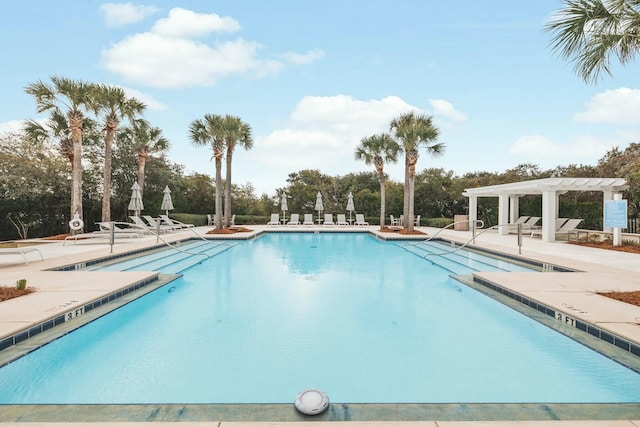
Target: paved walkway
column 573, row 294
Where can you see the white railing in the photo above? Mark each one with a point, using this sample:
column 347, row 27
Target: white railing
column 633, row 225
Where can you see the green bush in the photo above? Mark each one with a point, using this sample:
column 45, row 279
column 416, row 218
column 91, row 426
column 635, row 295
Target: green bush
column 437, row 222
column 21, row 284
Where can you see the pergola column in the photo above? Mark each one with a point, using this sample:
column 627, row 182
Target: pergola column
column 549, row 213
column 514, row 208
column 503, row 214
column 606, row 195
column 473, row 208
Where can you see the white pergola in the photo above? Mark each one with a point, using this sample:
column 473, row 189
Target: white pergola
column 550, row 189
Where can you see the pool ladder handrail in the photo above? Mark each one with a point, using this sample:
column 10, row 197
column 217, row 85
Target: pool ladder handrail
column 478, row 223
column 475, row 224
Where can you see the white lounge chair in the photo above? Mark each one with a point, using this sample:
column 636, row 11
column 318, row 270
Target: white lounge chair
column 22, row 251
column 275, row 219
column 168, row 221
column 294, row 220
column 104, row 232
column 156, row 225
column 341, row 219
column 526, row 226
column 360, row 220
column 568, row 226
column 328, row 219
column 308, row 219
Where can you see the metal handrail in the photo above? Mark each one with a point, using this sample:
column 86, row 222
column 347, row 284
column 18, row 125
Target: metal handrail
column 158, row 237
column 473, row 238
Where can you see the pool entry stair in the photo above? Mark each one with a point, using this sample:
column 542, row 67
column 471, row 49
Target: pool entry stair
column 173, row 261
column 449, row 258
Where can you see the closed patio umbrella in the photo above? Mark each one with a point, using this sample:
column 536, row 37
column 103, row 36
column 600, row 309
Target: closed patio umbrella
column 136, row 204
column 350, row 206
column 283, row 207
column 319, row 206
column 167, row 203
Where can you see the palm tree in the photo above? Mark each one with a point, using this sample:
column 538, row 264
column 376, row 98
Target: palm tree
column 145, row 139
column 116, row 106
column 210, row 131
column 236, row 132
column 378, row 150
column 589, row 32
column 412, row 131
column 69, row 98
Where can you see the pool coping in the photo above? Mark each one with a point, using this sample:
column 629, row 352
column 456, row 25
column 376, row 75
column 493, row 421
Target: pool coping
column 404, row 412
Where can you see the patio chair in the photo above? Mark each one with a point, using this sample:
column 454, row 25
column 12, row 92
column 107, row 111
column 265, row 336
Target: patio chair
column 416, row 221
column 294, row 220
column 168, row 221
column 527, row 225
column 157, row 225
column 395, row 222
column 568, row 227
column 21, row 251
column 308, row 219
column 341, row 219
column 360, row 220
column 328, row 219
column 275, row 219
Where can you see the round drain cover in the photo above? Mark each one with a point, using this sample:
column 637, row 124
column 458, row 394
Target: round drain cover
column 312, row 401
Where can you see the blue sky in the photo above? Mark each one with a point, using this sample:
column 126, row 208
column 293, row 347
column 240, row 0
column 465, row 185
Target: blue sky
column 313, row 78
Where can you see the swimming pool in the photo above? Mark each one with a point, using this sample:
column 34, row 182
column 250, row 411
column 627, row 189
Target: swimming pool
column 362, row 319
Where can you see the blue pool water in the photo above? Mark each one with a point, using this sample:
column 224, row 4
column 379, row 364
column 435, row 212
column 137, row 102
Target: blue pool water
column 363, row 320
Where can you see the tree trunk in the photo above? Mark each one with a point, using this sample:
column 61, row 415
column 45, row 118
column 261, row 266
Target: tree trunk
column 218, row 210
column 227, row 191
column 106, row 196
column 412, row 181
column 405, row 206
column 382, row 200
column 142, row 162
column 75, row 123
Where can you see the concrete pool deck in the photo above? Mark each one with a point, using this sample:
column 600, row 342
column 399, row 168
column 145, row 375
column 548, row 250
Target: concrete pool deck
column 573, row 294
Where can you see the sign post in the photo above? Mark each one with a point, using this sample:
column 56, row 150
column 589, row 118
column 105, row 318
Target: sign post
column 615, row 216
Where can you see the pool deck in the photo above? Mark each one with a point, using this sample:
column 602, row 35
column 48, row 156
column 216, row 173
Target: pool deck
column 572, row 294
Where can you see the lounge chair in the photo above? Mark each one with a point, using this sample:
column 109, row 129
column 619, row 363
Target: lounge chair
column 308, row 219
column 157, row 225
column 513, row 226
column 294, row 220
column 140, row 224
column 341, row 219
column 527, row 225
column 568, row 227
column 328, row 219
column 275, row 219
column 22, row 251
column 360, row 220
column 168, row 221
column 104, row 232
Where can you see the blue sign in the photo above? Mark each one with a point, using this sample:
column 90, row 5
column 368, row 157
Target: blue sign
column 615, row 213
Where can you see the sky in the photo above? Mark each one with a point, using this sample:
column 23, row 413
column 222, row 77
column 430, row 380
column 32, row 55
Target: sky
column 314, row 78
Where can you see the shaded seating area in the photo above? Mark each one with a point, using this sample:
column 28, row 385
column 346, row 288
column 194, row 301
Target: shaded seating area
column 308, row 219
column 566, row 227
column 168, row 221
column 550, row 191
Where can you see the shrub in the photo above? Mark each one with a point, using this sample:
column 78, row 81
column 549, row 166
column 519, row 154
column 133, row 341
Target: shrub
column 21, row 284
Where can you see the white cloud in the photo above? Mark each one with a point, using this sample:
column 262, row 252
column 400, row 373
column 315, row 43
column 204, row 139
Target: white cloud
column 619, row 106
column 324, row 131
column 169, row 56
column 445, row 110
column 149, row 101
column 303, row 58
column 11, row 126
column 154, row 60
column 186, row 23
column 542, row 150
column 119, row 14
